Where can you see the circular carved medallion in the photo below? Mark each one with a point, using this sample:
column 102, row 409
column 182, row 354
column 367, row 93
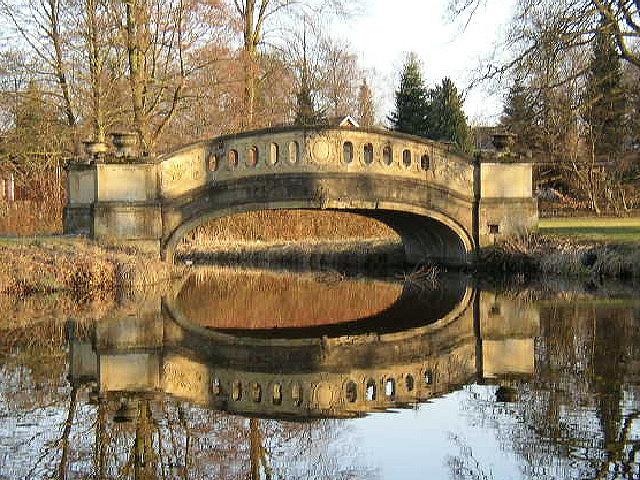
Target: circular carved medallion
column 321, row 150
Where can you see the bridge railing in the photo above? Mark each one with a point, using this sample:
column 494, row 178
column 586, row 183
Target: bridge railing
column 324, row 150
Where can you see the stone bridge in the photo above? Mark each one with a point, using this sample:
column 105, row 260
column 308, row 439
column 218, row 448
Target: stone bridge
column 443, row 205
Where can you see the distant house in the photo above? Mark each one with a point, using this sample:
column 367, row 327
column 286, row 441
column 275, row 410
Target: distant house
column 347, row 122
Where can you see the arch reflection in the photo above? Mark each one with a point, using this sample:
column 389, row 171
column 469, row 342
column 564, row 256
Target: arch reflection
column 303, row 373
column 266, row 303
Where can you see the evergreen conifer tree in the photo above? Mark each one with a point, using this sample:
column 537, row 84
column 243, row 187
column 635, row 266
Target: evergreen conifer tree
column 519, row 116
column 366, row 109
column 411, row 109
column 446, row 120
column 306, row 113
column 606, row 101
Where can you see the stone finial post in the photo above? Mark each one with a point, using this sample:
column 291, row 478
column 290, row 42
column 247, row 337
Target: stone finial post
column 94, row 150
column 125, row 144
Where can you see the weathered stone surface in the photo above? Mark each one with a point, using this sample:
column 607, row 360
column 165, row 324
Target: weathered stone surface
column 444, row 206
column 506, row 180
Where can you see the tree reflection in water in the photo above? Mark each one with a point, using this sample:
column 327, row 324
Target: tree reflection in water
column 575, row 415
column 579, row 416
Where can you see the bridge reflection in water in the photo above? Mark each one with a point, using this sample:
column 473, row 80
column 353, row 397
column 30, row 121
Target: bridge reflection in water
column 342, row 347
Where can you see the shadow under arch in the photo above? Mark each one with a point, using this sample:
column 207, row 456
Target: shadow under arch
column 426, row 234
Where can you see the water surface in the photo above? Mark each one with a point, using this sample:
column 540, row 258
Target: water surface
column 257, row 374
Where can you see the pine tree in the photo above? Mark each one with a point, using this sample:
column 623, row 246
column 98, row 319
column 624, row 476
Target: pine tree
column 305, row 111
column 366, row 110
column 519, row 116
column 412, row 107
column 446, row 120
column 606, row 98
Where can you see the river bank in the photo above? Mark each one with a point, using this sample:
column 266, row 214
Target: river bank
column 363, row 254
column 70, row 264
column 532, row 255
column 539, row 254
column 83, row 268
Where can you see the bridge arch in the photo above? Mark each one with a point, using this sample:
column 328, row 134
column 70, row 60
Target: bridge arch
column 425, row 234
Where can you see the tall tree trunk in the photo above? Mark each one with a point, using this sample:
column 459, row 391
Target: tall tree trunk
column 64, row 457
column 95, row 70
column 250, row 48
column 60, row 65
column 255, row 445
column 101, row 440
column 135, row 72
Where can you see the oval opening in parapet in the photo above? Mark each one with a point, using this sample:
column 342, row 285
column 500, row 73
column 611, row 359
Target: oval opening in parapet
column 256, row 302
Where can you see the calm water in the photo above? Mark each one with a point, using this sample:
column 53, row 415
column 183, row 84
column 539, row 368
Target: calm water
column 246, row 374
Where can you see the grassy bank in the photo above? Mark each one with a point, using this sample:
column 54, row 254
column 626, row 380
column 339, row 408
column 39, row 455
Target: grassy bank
column 58, row 264
column 539, row 254
column 576, row 247
column 600, row 230
column 339, row 254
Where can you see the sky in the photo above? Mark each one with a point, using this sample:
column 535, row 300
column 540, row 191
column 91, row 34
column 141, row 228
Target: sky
column 388, row 29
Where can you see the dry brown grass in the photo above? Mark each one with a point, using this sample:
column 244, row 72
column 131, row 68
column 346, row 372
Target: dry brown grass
column 55, row 264
column 542, row 254
column 28, row 217
column 291, row 226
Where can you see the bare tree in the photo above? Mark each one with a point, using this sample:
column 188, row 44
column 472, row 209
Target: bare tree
column 572, row 24
column 255, row 16
column 40, row 25
column 162, row 43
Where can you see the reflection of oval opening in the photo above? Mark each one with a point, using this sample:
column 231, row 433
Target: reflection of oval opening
column 390, row 387
column 296, row 394
column 236, row 392
column 277, row 394
column 233, row 158
column 216, row 387
column 428, row 377
column 252, row 161
column 294, row 152
column 351, row 392
column 256, row 392
column 408, row 383
column 371, row 389
column 213, row 162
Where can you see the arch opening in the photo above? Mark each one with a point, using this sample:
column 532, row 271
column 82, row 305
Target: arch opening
column 368, row 153
column 274, row 154
column 314, row 237
column 387, row 155
column 319, row 235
